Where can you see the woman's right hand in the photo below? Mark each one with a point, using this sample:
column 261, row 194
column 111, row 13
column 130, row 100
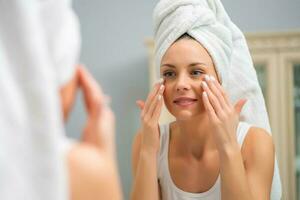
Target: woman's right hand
column 92, row 162
column 150, row 113
column 99, row 128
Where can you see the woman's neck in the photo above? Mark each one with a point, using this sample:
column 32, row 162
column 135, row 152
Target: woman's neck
column 193, row 137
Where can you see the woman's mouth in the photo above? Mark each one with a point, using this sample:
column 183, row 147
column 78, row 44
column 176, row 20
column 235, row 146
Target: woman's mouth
column 184, row 101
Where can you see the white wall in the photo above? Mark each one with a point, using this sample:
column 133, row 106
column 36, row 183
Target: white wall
column 113, row 33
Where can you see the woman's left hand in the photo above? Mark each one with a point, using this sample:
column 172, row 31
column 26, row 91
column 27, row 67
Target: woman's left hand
column 223, row 115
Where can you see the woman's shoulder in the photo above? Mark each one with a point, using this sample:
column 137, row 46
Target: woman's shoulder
column 257, row 136
column 258, row 145
column 247, row 132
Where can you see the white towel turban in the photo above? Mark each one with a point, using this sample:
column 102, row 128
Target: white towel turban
column 39, row 47
column 208, row 23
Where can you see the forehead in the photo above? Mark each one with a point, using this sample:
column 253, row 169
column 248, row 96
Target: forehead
column 186, row 51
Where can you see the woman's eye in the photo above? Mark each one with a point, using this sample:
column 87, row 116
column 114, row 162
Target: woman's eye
column 196, row 73
column 168, row 74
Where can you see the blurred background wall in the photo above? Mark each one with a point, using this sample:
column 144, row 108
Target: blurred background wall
column 113, row 49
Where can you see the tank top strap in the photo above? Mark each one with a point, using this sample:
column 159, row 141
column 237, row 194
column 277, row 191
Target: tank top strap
column 163, row 148
column 242, row 131
column 164, row 139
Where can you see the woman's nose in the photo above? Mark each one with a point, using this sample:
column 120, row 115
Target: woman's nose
column 182, row 83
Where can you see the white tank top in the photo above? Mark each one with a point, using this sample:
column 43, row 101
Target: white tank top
column 168, row 189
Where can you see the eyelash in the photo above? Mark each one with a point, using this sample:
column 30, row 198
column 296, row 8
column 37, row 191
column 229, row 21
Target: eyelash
column 199, row 73
column 167, row 74
column 194, row 73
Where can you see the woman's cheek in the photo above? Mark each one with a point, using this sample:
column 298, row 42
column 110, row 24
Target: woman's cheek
column 166, row 94
column 168, row 97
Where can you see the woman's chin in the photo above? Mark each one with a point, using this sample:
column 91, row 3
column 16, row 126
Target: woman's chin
column 184, row 115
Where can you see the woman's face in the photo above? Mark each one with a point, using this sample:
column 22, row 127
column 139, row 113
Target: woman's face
column 183, row 68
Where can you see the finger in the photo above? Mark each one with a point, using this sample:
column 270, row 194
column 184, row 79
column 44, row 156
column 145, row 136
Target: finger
column 239, row 105
column 89, row 88
column 140, row 104
column 208, row 107
column 92, row 93
column 151, row 96
column 156, row 101
column 211, row 82
column 222, row 90
column 68, row 94
column 107, row 128
column 156, row 113
column 213, row 100
column 157, row 110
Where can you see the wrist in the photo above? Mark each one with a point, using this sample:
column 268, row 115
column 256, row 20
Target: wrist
column 148, row 152
column 229, row 151
column 148, row 158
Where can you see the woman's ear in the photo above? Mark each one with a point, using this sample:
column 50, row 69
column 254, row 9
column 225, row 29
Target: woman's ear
column 68, row 95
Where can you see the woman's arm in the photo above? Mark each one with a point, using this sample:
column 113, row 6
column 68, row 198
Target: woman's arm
column 146, row 147
column 144, row 164
column 249, row 181
column 259, row 155
column 92, row 162
column 248, row 174
column 92, row 174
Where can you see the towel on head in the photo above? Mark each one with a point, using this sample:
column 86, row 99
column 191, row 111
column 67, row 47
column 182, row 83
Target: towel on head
column 208, row 23
column 175, row 18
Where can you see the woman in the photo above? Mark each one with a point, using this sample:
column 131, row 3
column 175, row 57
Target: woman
column 207, row 152
column 39, row 46
column 92, row 160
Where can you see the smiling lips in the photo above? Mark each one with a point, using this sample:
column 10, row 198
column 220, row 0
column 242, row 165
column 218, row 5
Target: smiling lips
column 184, row 101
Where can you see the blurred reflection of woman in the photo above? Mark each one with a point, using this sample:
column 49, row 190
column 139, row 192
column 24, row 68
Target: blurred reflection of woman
column 39, row 47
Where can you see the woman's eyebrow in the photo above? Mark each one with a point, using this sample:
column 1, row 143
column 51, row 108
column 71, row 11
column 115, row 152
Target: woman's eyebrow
column 198, row 63
column 190, row 65
column 168, row 65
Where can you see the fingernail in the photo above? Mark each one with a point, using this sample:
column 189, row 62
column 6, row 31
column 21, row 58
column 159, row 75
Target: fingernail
column 212, row 78
column 158, row 82
column 204, row 84
column 161, row 80
column 207, row 78
column 159, row 97
column 204, row 94
column 161, row 88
